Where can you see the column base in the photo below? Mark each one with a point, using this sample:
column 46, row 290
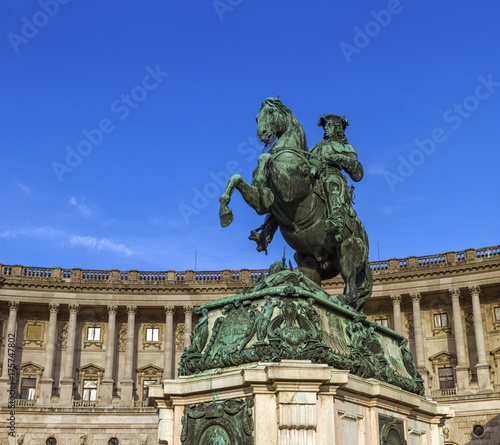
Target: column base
column 106, row 394
column 45, row 396
column 463, row 379
column 483, row 377
column 127, row 394
column 66, row 394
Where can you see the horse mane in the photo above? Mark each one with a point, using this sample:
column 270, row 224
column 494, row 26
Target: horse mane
column 294, row 128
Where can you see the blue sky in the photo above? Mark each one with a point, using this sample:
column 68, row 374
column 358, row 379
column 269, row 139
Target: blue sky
column 120, row 121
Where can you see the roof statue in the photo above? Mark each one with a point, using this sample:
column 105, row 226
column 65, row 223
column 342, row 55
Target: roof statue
column 306, row 195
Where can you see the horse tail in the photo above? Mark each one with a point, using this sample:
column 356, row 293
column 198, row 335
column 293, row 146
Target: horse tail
column 365, row 280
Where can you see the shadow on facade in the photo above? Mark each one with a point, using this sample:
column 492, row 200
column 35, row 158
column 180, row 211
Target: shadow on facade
column 485, row 434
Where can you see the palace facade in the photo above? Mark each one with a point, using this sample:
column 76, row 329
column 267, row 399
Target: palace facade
column 79, row 348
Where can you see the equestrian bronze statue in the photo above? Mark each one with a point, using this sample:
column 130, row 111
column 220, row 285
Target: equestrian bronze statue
column 306, row 195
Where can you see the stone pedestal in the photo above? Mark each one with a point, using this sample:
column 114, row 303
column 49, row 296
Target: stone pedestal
column 66, row 394
column 106, row 394
column 44, row 400
column 291, row 402
column 127, row 393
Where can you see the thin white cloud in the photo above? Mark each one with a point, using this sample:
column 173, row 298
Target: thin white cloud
column 81, row 207
column 103, row 244
column 24, row 188
column 7, row 234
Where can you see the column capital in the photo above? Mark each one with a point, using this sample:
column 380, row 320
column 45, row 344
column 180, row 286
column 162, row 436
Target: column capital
column 132, row 310
column 454, row 292
column 13, row 305
column 188, row 309
column 53, row 307
column 396, row 298
column 169, row 310
column 474, row 290
column 416, row 297
column 112, row 309
column 73, row 308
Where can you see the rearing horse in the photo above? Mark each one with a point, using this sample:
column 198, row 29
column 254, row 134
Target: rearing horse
column 284, row 186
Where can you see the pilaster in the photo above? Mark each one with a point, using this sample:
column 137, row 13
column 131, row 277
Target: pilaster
column 47, row 380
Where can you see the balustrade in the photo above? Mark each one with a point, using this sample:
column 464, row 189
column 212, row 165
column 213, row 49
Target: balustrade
column 245, row 276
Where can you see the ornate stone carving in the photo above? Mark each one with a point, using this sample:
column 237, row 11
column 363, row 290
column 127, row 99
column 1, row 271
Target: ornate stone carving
column 474, row 290
column 62, row 336
column 169, row 310
column 34, row 333
column 415, row 297
column 469, row 319
column 122, row 336
column 409, row 325
column 73, row 308
column 229, row 422
column 13, row 305
column 112, row 309
column 454, row 292
column 53, row 307
column 97, row 343
column 391, row 431
column 288, row 322
column 396, row 298
column 131, row 310
column 179, row 337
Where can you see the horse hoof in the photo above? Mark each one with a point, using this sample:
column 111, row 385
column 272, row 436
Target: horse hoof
column 226, row 217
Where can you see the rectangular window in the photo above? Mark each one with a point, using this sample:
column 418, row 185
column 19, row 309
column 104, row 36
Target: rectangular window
column 28, row 389
column 93, row 334
column 152, row 334
column 440, row 320
column 383, row 321
column 90, row 390
column 145, row 385
column 446, row 378
column 497, row 313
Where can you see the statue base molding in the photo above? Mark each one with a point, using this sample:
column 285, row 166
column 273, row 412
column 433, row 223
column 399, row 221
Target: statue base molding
column 292, row 402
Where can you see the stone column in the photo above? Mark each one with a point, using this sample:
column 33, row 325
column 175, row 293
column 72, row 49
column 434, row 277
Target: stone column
column 483, row 368
column 462, row 369
column 107, row 384
column 67, row 382
column 10, row 337
column 169, row 342
column 419, row 340
column 47, row 380
column 127, row 384
column 188, row 325
column 396, row 309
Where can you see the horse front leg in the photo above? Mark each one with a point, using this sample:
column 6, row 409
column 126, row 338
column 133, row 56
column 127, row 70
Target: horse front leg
column 225, row 213
column 249, row 193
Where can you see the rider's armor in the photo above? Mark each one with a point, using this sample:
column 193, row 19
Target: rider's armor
column 335, row 154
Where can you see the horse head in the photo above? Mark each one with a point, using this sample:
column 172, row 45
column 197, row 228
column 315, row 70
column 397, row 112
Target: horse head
column 276, row 121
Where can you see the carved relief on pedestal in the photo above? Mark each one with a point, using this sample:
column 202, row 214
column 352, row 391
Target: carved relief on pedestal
column 224, row 423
